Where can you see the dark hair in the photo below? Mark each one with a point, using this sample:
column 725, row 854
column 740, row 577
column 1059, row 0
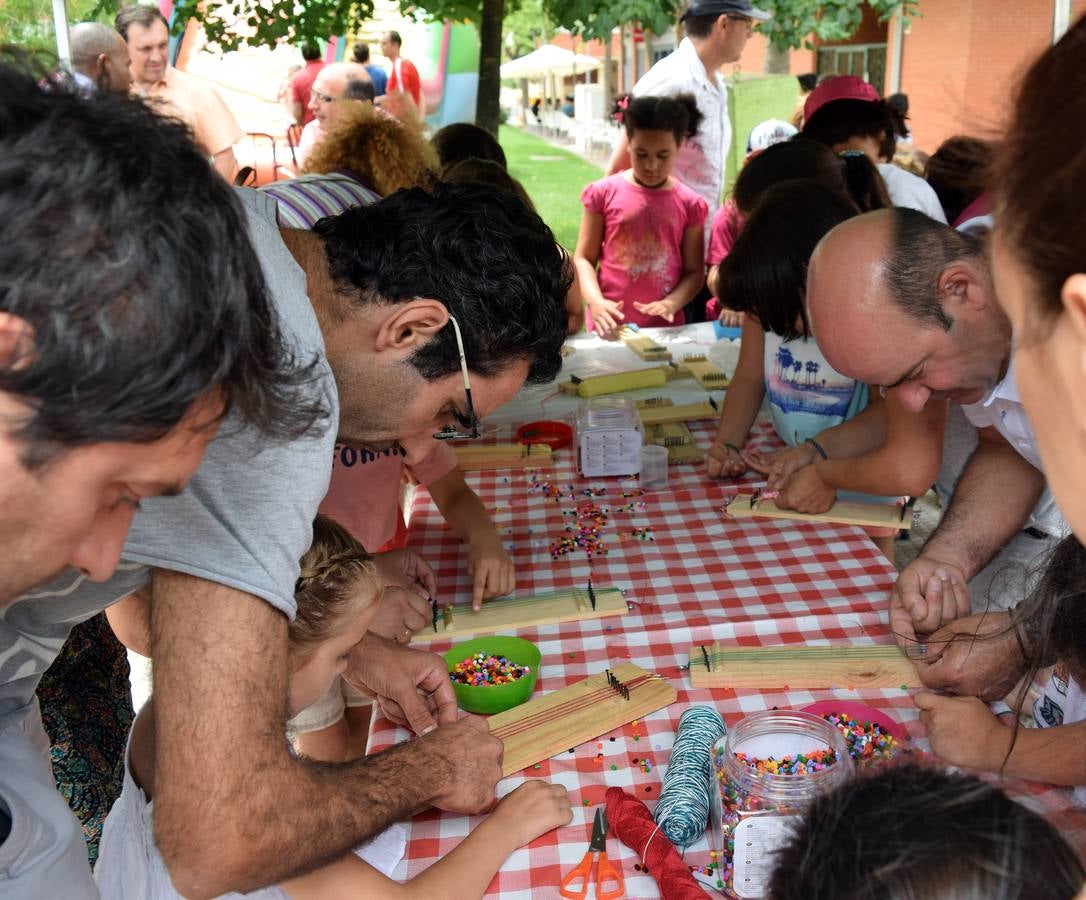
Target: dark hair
column 463, row 140
column 359, row 89
column 808, row 81
column 394, row 36
column 361, row 52
column 1040, row 173
column 310, row 51
column 766, row 272
column 913, row 832
column 131, row 265
column 920, row 249
column 486, row 171
column 481, row 252
column 900, row 102
column 678, row 114
column 1053, row 617
column 837, row 121
column 959, row 171
column 700, row 26
column 140, row 14
column 804, row 158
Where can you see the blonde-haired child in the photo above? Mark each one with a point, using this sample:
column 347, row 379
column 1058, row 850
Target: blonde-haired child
column 337, row 594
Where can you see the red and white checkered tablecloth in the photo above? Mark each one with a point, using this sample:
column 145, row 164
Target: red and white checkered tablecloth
column 704, row 577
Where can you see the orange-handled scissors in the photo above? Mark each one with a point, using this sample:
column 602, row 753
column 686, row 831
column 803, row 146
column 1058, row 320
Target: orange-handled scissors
column 575, row 884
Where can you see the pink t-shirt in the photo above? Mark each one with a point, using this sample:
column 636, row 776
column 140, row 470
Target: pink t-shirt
column 727, row 223
column 641, row 258
column 364, row 492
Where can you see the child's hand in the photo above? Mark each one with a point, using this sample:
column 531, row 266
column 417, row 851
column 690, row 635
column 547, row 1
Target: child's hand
column 665, row 309
column 778, row 467
column 607, row 316
column 806, row 492
column 491, row 569
column 400, row 614
column 729, row 318
column 963, row 731
column 533, row 809
column 724, row 462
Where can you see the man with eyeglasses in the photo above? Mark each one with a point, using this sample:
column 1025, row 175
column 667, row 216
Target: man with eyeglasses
column 334, row 89
column 432, row 309
column 716, row 33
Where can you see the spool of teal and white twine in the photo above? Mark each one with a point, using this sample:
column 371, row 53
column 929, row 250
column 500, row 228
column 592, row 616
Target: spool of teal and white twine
column 682, row 811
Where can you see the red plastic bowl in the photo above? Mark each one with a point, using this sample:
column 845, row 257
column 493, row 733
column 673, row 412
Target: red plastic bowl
column 860, row 713
column 555, row 435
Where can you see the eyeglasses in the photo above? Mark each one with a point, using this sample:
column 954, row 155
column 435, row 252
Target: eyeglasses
column 323, row 98
column 450, row 432
column 747, row 20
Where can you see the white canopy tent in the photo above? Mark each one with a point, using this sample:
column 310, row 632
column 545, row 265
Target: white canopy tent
column 547, row 63
column 549, row 60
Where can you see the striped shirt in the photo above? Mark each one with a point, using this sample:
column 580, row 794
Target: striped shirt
column 305, row 200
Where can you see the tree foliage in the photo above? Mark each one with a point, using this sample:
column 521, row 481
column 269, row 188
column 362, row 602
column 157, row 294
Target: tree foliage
column 795, row 21
column 598, row 18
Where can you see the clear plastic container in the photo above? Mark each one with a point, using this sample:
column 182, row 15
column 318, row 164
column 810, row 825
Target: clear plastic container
column 609, row 437
column 754, row 810
column 654, row 462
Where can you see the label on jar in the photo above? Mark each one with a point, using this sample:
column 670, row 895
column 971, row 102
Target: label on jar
column 757, row 840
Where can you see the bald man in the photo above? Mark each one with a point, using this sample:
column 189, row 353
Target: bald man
column 899, row 300
column 334, row 90
column 100, row 56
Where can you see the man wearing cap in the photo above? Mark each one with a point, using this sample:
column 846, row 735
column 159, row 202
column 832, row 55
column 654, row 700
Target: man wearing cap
column 716, row 33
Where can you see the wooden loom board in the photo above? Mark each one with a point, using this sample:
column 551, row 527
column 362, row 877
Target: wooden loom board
column 704, row 372
column 843, row 512
column 670, row 372
column 685, row 412
column 687, row 451
column 486, row 457
column 644, row 347
column 550, row 738
column 804, row 668
column 524, row 612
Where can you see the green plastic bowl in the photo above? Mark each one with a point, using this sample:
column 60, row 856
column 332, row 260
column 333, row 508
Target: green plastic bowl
column 499, row 697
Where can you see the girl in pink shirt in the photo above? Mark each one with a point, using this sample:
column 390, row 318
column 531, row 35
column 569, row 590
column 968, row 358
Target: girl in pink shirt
column 642, row 228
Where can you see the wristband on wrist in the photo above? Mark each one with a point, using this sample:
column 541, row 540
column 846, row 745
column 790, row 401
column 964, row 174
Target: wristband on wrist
column 817, row 447
column 733, row 448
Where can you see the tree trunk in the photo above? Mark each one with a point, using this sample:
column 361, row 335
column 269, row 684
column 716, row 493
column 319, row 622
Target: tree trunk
column 776, row 61
column 605, row 79
column 487, row 105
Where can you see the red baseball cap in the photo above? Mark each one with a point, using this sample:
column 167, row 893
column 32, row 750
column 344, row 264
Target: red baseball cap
column 839, row 87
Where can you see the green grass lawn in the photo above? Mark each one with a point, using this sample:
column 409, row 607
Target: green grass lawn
column 553, row 178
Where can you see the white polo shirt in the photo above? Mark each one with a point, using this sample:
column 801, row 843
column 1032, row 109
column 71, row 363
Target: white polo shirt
column 1003, row 411
column 700, row 163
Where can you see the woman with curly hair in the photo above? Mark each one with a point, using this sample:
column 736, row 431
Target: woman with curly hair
column 369, row 156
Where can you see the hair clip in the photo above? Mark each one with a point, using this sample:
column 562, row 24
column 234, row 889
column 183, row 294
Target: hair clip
column 847, row 153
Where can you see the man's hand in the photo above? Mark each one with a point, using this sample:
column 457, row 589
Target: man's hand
column 475, row 758
column 977, row 655
column 412, row 685
column 607, row 316
column 491, row 569
column 724, row 462
column 406, row 569
column 665, row 309
column 806, row 492
column 963, row 731
column 929, row 593
column 400, row 613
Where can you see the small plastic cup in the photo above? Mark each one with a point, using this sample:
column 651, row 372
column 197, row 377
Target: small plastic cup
column 653, row 466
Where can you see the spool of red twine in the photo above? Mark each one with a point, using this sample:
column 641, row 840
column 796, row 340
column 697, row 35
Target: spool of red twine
column 631, row 822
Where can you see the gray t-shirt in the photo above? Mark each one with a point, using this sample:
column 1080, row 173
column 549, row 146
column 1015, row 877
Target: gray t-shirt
column 244, row 521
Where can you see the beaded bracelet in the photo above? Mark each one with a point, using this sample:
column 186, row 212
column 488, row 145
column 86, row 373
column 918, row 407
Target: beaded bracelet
column 817, row 447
